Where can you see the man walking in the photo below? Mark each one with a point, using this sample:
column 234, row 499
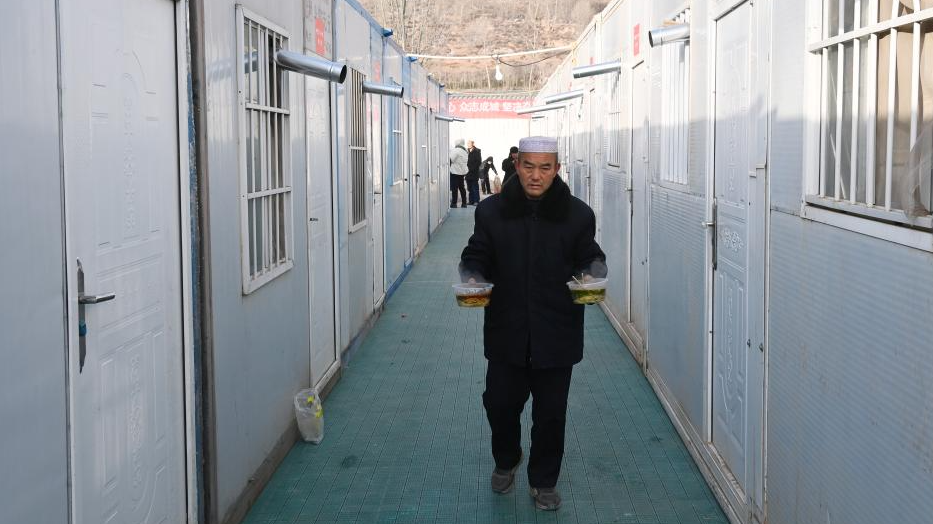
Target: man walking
column 474, row 161
column 458, row 169
column 508, row 164
column 529, row 240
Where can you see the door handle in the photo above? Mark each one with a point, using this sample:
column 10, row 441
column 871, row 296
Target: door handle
column 83, row 301
column 708, row 224
column 95, row 299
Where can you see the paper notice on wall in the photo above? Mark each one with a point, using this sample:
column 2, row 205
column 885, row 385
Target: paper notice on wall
column 319, row 28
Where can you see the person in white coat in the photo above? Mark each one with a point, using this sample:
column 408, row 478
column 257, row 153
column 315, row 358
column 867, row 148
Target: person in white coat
column 458, row 170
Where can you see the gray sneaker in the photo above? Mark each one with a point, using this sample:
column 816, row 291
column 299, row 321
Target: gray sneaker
column 504, row 479
column 547, row 499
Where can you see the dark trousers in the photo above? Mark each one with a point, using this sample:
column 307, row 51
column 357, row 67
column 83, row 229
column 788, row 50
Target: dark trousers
column 507, row 390
column 473, row 188
column 485, row 186
column 456, row 185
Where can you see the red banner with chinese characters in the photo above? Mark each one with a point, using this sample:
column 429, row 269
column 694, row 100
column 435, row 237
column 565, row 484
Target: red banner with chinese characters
column 486, row 107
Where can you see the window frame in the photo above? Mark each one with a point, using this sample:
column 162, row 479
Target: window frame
column 876, row 221
column 397, row 135
column 253, row 280
column 357, row 134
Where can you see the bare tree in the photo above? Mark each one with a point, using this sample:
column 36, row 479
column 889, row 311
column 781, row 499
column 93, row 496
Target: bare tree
column 485, row 27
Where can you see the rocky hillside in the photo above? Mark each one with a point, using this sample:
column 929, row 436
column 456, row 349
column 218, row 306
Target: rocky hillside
column 481, row 27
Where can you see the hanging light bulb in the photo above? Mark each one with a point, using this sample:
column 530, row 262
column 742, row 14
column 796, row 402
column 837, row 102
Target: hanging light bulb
column 498, row 72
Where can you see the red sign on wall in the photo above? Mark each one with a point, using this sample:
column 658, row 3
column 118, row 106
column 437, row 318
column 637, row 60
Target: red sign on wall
column 636, row 45
column 484, row 107
column 320, row 40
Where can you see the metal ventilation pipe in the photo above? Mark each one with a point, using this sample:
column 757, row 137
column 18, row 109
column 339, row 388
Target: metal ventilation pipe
column 597, row 69
column 562, row 97
column 311, row 66
column 447, row 118
column 668, row 34
column 539, row 109
column 384, row 89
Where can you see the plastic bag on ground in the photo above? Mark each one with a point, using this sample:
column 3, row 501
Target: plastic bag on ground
column 309, row 413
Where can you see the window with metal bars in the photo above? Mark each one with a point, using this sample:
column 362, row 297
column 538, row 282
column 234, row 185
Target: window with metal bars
column 876, row 124
column 356, row 113
column 614, row 123
column 675, row 117
column 265, row 164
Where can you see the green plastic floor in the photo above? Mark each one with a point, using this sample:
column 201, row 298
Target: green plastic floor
column 406, row 439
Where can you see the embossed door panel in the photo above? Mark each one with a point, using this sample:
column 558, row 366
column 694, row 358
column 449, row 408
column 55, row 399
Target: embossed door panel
column 121, row 163
column 638, row 262
column 320, row 230
column 730, row 277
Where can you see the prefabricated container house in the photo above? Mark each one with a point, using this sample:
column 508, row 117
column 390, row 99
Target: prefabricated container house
column 761, row 178
column 205, row 205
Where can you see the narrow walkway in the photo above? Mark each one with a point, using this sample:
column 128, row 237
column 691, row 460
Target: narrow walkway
column 406, row 439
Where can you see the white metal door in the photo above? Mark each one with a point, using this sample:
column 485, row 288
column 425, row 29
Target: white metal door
column 594, row 157
column 379, row 277
column 732, row 166
column 408, row 144
column 430, row 125
column 413, row 177
column 594, row 175
column 120, row 124
column 638, row 254
column 320, row 231
column 423, row 178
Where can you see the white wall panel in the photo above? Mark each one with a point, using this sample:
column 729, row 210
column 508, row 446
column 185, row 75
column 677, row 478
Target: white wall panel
column 850, row 414
column 33, row 460
column 261, row 341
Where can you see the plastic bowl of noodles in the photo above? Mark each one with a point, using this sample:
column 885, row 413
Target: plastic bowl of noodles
column 589, row 291
column 473, row 295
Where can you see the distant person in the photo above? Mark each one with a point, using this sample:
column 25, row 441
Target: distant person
column 508, row 164
column 484, row 175
column 529, row 240
column 474, row 161
column 458, row 169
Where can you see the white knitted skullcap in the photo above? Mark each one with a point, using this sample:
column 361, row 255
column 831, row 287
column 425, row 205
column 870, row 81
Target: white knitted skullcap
column 538, row 144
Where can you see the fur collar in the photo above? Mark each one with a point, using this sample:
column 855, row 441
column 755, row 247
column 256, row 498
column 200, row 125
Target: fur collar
column 555, row 205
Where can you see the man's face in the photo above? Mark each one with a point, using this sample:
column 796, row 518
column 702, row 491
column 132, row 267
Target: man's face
column 470, row 144
column 536, row 171
column 514, row 156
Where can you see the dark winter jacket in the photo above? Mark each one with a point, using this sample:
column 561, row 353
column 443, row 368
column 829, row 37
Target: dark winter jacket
column 484, row 169
column 508, row 168
column 474, row 161
column 529, row 250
